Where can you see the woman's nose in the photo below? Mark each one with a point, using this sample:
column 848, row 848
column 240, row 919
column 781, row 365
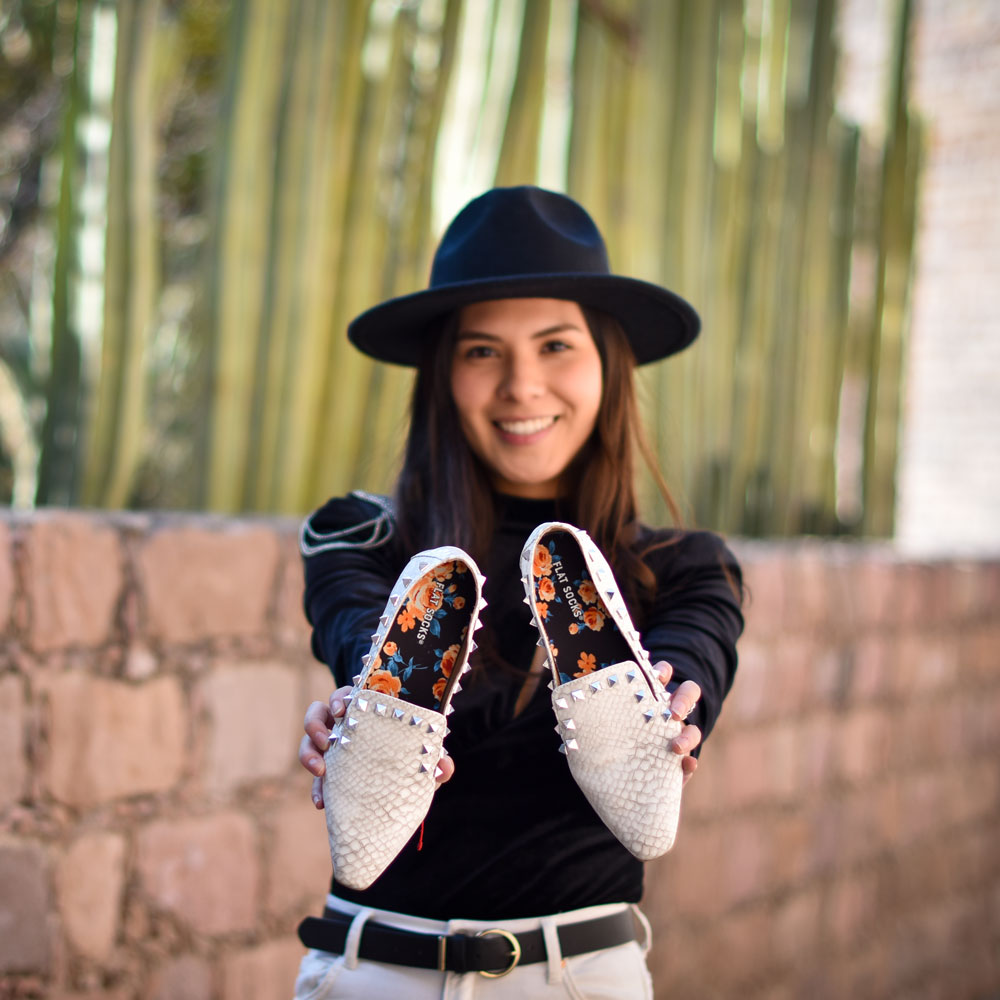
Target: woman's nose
column 522, row 380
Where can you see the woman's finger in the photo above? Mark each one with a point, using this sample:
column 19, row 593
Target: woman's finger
column 309, row 758
column 687, row 740
column 447, row 766
column 664, row 671
column 317, row 723
column 317, row 793
column 683, row 700
column 689, row 765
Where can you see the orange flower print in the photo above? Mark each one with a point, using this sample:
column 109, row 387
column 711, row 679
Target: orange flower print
column 542, row 563
column 438, row 689
column 406, row 620
column 587, row 663
column 459, row 603
column 543, row 609
column 588, row 592
column 444, row 571
column 593, row 619
column 377, row 663
column 460, row 567
column 390, row 648
column 546, row 588
column 573, row 628
column 428, row 597
column 382, row 680
column 449, row 658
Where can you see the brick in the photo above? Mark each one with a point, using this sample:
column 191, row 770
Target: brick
column 748, row 698
column 185, row 978
column 861, row 744
column 808, row 588
column 256, row 722
column 747, row 765
column 791, row 676
column 262, row 973
column 299, row 858
column 199, row 583
column 875, row 597
column 746, row 861
column 797, row 929
column 851, row 908
column 764, row 576
column 89, row 879
column 74, row 580
column 291, row 619
column 871, row 668
column 689, row 880
column 6, row 575
column 792, row 851
column 743, row 949
column 24, row 909
column 13, row 726
column 110, row 739
column 205, row 871
column 819, row 748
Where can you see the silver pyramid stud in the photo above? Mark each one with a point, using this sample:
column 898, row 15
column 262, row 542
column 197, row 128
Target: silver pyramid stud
column 398, row 713
column 415, row 720
column 666, row 715
column 334, row 736
column 571, row 745
column 630, row 675
column 639, row 695
column 449, row 709
column 351, row 722
column 438, row 772
column 483, row 603
column 357, row 677
column 561, row 703
column 344, row 740
column 424, row 748
column 381, row 709
column 424, row 769
column 562, row 748
column 362, row 704
column 551, row 685
column 577, row 695
column 473, row 646
column 433, row 727
column 612, row 680
column 467, row 667
column 649, row 715
column 541, row 642
column 374, row 636
column 365, row 660
column 457, row 687
column 384, row 620
column 394, row 601
column 526, row 600
column 595, row 686
column 406, row 581
column 569, row 724
column 477, row 626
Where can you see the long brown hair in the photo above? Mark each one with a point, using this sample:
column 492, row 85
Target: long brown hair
column 442, row 480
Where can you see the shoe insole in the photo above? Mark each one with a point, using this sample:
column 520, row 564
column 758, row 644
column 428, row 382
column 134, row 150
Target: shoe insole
column 423, row 644
column 582, row 633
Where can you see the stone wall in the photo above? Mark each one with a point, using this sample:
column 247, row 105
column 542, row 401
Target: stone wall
column 841, row 837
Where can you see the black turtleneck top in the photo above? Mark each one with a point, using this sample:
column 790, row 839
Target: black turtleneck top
column 511, row 835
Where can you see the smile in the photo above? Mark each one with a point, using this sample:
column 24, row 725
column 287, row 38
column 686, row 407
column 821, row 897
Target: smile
column 525, row 427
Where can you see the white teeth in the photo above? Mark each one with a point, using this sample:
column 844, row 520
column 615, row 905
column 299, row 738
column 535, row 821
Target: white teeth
column 525, row 426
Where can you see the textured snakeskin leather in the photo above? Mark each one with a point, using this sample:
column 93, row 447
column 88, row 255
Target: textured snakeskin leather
column 617, row 738
column 379, row 784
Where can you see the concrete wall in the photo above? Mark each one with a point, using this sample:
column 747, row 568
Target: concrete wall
column 841, row 837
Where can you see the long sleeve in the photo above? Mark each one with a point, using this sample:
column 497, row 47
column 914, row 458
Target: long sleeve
column 351, row 564
column 696, row 618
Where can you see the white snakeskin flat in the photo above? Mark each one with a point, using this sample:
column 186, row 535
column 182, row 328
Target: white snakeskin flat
column 613, row 713
column 381, row 765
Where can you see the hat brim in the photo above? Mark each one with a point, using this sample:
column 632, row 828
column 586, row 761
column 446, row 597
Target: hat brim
column 656, row 322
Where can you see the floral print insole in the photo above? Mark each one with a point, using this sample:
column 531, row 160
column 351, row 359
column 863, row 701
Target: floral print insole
column 583, row 636
column 422, row 645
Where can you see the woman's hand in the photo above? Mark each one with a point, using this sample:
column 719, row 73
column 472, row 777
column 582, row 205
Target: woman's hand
column 319, row 720
column 682, row 702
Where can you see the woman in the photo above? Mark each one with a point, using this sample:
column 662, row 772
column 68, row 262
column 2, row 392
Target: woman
column 523, row 412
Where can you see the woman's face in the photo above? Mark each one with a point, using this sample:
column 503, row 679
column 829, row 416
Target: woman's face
column 527, row 382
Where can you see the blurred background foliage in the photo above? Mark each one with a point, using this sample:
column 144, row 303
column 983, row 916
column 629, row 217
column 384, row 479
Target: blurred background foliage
column 196, row 195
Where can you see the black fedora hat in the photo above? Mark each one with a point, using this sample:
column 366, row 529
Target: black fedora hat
column 525, row 242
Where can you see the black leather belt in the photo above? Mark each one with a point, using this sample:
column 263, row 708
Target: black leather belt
column 493, row 952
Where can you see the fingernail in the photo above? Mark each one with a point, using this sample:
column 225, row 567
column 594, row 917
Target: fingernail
column 338, row 707
column 317, row 766
column 680, row 745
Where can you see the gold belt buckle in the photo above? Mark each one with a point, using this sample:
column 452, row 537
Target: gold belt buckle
column 515, row 952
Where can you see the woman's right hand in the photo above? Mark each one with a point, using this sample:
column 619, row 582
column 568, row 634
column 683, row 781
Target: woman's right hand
column 319, row 720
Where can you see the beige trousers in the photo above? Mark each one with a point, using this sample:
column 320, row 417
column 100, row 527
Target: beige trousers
column 618, row 973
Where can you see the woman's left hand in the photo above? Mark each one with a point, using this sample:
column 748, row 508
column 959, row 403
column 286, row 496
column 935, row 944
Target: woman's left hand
column 682, row 702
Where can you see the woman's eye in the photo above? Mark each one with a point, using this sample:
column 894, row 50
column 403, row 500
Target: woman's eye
column 478, row 351
column 555, row 345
